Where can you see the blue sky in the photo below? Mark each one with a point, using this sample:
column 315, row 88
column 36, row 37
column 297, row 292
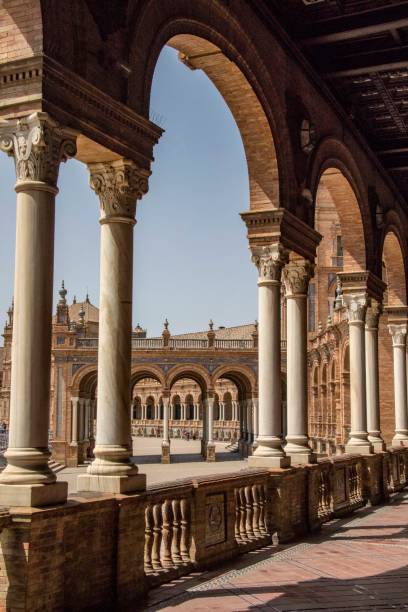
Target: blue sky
column 191, row 259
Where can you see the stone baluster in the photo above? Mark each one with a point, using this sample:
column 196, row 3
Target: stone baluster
column 269, row 452
column 119, row 184
column 157, row 536
column 372, row 376
column 257, row 511
column 175, row 544
column 399, row 339
column 148, row 566
column 249, row 513
column 38, row 145
column 296, row 277
column 263, row 519
column 237, row 516
column 242, row 515
column 356, row 304
column 185, row 530
column 167, row 534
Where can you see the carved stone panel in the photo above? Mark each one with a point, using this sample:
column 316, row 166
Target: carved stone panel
column 215, row 531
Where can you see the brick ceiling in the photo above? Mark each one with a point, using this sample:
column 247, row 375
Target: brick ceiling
column 360, row 49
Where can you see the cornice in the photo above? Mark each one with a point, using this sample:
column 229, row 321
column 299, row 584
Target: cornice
column 364, row 281
column 266, row 227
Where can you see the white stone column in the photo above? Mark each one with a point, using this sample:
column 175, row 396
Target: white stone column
column 356, row 304
column 372, row 376
column 119, row 184
column 269, row 261
column 296, row 277
column 255, row 420
column 399, row 341
column 210, row 446
column 166, row 438
column 38, row 145
column 81, row 419
column 74, row 428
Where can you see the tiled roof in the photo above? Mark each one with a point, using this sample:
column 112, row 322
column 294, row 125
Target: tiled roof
column 238, row 332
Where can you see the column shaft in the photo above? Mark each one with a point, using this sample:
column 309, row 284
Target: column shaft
column 118, row 184
column 399, row 336
column 38, row 145
column 358, row 441
column 269, row 453
column 372, row 377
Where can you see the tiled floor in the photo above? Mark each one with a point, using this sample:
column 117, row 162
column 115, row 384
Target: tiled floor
column 355, row 564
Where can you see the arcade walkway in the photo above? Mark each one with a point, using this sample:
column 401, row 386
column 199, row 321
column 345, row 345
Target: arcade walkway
column 356, row 564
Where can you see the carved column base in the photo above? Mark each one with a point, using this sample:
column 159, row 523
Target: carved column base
column 33, row 494
column 111, row 484
column 359, row 449
column 298, row 449
column 268, row 462
column 165, row 452
column 376, row 440
column 210, row 452
column 400, row 439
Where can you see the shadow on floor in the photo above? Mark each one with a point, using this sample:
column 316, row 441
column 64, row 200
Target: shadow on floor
column 376, row 593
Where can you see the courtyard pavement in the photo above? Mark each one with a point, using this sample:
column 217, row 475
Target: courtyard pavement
column 186, row 462
column 356, row 564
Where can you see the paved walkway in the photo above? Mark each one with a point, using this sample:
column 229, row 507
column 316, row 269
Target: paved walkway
column 353, row 564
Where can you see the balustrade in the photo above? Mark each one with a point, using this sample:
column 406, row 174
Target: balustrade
column 167, row 532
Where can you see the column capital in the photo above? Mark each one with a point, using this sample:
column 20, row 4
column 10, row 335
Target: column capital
column 356, row 304
column 118, row 184
column 296, row 277
column 398, row 333
column 269, row 259
column 373, row 314
column 38, row 144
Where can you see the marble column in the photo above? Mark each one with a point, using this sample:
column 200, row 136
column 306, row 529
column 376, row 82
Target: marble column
column 269, row 452
column 255, row 421
column 119, row 184
column 183, row 412
column 165, row 447
column 210, row 446
column 358, row 442
column 399, row 341
column 296, row 277
column 372, row 376
column 74, row 425
column 38, row 145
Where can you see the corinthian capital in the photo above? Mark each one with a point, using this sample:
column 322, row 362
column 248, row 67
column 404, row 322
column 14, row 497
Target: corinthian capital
column 373, row 314
column 38, row 145
column 269, row 260
column 296, row 277
column 356, row 304
column 119, row 184
column 399, row 334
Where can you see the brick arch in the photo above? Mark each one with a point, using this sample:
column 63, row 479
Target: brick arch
column 190, row 371
column 84, row 380
column 242, row 376
column 232, row 62
column 150, row 371
column 335, row 174
column 395, row 268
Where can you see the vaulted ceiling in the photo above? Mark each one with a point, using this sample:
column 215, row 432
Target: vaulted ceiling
column 360, row 49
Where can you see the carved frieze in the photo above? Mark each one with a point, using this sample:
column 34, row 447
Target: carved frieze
column 38, row 145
